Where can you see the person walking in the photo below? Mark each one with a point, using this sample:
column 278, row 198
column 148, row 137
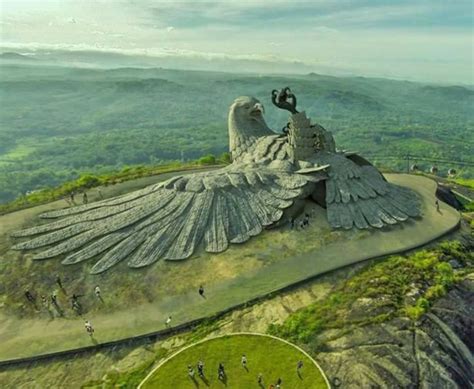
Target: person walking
column 76, row 307
column 54, row 298
column 55, row 302
column 85, row 200
column 299, row 365
column 437, row 205
column 221, row 371
column 59, row 282
column 260, row 379
column 201, row 291
column 75, row 297
column 168, row 322
column 191, row 372
column 89, row 328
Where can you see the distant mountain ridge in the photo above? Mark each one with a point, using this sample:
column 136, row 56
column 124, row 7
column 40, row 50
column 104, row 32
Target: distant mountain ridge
column 57, row 122
column 9, row 55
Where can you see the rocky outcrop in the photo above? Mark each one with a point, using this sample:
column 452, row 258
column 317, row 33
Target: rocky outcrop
column 435, row 352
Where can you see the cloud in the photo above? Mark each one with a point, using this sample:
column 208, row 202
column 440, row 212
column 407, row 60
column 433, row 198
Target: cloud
column 151, row 52
column 336, row 13
column 408, row 38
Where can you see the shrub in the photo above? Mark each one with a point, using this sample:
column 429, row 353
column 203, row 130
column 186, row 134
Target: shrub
column 225, row 158
column 445, row 274
column 434, row 292
column 207, row 160
column 415, row 312
column 88, row 181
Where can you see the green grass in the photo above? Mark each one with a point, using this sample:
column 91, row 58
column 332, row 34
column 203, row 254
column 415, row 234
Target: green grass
column 467, row 182
column 271, row 357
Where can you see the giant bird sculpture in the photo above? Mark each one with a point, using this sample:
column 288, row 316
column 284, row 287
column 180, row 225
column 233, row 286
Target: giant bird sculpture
column 270, row 173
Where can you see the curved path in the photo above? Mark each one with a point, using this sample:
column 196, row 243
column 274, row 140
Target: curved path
column 308, row 379
column 27, row 338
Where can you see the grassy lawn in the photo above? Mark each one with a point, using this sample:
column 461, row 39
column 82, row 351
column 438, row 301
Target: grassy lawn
column 271, row 357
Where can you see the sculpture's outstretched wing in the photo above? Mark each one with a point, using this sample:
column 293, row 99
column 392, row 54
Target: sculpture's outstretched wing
column 170, row 219
column 360, row 196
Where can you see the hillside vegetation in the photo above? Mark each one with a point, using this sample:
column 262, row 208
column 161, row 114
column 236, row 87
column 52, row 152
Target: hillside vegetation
column 57, row 123
column 403, row 286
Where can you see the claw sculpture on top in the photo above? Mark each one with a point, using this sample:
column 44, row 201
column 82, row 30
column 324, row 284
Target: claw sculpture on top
column 270, row 173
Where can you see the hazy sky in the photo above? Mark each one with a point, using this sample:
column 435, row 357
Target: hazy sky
column 425, row 40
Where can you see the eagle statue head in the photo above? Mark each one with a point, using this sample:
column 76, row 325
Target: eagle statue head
column 246, row 124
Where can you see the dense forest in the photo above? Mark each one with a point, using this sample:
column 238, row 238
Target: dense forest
column 57, row 123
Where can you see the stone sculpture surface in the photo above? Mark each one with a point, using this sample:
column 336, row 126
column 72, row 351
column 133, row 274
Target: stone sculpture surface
column 269, row 173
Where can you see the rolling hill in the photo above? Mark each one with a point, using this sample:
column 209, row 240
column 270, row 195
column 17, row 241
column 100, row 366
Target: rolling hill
column 57, row 122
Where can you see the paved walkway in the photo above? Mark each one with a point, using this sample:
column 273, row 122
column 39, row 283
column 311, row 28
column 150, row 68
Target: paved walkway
column 29, row 337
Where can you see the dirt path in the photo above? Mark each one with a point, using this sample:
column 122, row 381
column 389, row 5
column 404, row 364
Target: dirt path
column 33, row 336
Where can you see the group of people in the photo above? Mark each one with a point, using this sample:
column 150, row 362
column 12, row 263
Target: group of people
column 303, row 223
column 72, row 200
column 200, row 369
column 85, row 199
column 53, row 301
column 221, row 375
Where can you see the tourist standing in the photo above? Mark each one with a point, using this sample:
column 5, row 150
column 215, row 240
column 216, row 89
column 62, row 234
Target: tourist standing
column 306, row 219
column 89, row 328
column 243, row 361
column 98, row 292
column 201, row 291
column 29, row 297
column 200, row 367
